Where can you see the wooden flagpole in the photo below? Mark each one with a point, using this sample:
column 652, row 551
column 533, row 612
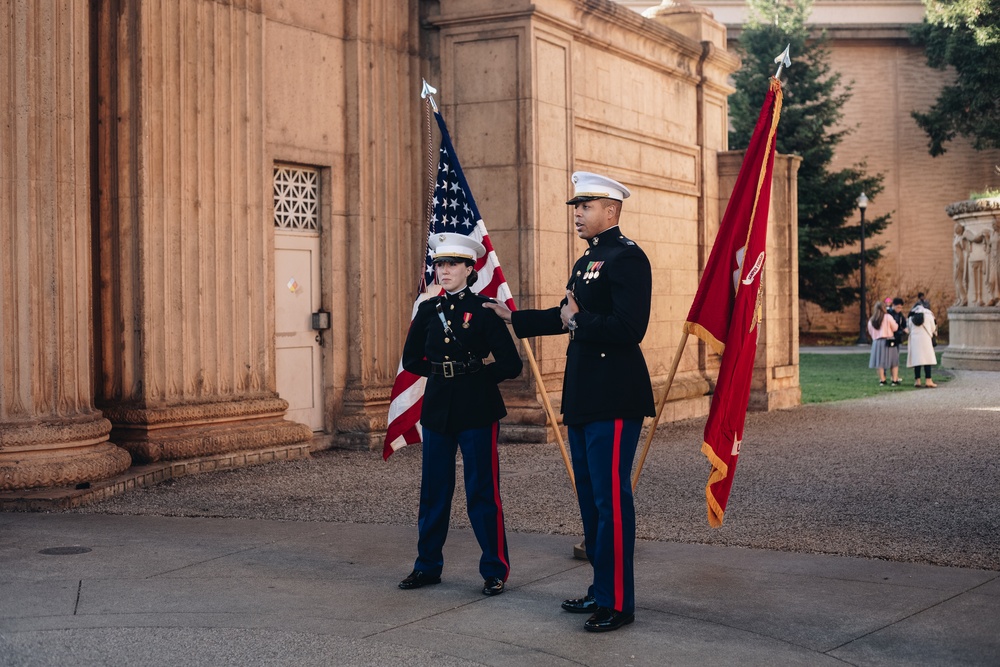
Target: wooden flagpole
column 659, row 409
column 550, row 412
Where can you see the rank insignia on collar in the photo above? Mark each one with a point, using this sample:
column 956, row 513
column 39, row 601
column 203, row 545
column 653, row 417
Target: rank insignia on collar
column 467, row 317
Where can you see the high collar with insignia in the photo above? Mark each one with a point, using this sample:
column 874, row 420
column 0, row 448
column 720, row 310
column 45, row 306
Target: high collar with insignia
column 607, row 234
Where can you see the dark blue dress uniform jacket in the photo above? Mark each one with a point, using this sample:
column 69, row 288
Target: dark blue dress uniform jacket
column 465, row 401
column 606, row 375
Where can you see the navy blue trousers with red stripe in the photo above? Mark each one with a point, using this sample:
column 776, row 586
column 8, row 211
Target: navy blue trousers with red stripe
column 482, row 495
column 603, row 452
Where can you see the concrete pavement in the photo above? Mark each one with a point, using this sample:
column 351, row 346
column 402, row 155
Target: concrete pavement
column 153, row 590
column 296, row 563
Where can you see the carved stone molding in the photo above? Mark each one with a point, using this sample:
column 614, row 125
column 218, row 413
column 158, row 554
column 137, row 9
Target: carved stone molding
column 972, row 206
column 29, row 434
column 183, row 431
column 191, row 414
column 363, row 420
column 368, row 393
column 187, row 442
column 62, row 467
column 58, row 453
column 362, row 426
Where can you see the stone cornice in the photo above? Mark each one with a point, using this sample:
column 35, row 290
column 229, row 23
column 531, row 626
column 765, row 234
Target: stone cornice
column 973, row 206
column 602, row 9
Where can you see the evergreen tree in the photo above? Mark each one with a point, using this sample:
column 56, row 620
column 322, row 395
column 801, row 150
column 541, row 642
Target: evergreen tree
column 813, row 99
column 964, row 34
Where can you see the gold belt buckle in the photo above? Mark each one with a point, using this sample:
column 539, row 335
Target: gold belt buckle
column 449, row 369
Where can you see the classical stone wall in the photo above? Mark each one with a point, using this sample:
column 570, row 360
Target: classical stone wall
column 186, row 317
column 137, row 256
column 535, row 91
column 341, row 89
column 50, row 433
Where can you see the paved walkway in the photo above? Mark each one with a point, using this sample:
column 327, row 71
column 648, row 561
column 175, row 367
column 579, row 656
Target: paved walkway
column 197, row 591
column 175, row 591
column 121, row 584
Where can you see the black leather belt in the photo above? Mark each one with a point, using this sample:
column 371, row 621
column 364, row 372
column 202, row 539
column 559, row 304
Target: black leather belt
column 450, row 369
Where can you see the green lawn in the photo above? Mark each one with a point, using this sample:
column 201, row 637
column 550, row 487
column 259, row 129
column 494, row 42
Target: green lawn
column 837, row 377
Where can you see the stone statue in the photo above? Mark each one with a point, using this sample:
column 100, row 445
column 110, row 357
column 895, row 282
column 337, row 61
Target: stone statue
column 977, row 262
column 960, row 248
column 993, row 266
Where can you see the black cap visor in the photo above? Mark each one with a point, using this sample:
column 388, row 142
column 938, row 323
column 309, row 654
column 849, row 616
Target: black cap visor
column 582, row 198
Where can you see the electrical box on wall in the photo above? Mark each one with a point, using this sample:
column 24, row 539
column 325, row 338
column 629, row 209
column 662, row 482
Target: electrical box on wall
column 321, row 320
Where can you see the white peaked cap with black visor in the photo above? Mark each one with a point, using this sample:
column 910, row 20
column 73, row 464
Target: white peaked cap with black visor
column 588, row 186
column 451, row 247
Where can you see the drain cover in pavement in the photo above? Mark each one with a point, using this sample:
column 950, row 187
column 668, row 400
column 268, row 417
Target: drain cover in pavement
column 64, row 551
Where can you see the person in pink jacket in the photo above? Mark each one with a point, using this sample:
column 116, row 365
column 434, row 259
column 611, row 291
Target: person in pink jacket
column 885, row 350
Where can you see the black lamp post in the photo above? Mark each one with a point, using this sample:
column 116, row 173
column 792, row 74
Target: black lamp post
column 863, row 321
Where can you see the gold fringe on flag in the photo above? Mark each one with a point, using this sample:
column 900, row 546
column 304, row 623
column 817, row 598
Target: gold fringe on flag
column 720, row 470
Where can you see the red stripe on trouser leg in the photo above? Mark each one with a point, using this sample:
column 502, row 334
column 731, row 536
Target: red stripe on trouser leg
column 616, row 503
column 501, row 547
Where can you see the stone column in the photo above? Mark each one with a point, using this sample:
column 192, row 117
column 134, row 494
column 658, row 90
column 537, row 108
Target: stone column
column 776, row 372
column 50, row 432
column 775, row 383
column 186, row 326
column 385, row 196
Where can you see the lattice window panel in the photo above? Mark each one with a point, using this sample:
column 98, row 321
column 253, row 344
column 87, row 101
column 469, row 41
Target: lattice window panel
column 296, row 198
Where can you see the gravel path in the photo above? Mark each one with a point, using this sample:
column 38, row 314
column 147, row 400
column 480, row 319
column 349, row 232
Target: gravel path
column 905, row 476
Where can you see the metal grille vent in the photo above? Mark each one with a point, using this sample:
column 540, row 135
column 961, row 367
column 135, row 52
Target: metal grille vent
column 296, row 198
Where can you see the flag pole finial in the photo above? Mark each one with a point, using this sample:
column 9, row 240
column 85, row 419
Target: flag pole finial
column 782, row 61
column 428, row 92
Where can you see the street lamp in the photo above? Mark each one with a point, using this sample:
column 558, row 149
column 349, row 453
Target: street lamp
column 862, row 320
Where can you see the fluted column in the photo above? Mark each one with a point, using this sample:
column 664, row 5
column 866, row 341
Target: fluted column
column 385, row 201
column 50, row 432
column 186, row 315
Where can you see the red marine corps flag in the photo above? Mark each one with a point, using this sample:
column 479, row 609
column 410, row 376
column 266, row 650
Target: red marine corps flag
column 727, row 309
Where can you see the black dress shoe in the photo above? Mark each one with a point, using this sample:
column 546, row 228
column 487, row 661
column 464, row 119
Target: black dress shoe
column 585, row 605
column 493, row 586
column 419, row 578
column 606, row 619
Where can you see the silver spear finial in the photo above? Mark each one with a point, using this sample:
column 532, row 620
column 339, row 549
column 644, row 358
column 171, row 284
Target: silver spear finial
column 782, row 61
column 428, row 92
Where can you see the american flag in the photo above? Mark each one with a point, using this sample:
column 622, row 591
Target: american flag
column 454, row 210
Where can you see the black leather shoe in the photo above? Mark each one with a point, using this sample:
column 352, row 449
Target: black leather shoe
column 606, row 619
column 419, row 578
column 585, row 605
column 493, row 586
